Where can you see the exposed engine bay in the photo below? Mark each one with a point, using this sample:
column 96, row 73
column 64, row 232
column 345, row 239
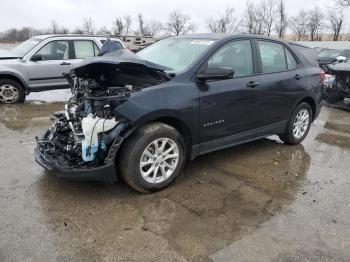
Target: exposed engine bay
column 337, row 83
column 89, row 130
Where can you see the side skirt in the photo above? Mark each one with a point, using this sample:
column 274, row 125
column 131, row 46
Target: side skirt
column 240, row 138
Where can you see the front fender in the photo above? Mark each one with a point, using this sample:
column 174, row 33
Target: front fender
column 6, row 70
column 179, row 101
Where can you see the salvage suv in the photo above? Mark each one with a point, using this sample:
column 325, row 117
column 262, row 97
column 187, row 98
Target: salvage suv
column 38, row 64
column 141, row 116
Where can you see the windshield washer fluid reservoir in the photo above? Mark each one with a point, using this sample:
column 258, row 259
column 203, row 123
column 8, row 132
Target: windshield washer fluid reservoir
column 92, row 126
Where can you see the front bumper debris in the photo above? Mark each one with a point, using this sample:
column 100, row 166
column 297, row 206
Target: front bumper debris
column 104, row 173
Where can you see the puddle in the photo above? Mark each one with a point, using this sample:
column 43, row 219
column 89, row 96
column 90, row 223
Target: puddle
column 19, row 117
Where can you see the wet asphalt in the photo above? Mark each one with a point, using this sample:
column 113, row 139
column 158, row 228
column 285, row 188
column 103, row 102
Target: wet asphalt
column 261, row 201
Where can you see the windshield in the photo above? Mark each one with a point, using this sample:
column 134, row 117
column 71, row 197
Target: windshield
column 175, row 53
column 24, row 47
column 331, row 53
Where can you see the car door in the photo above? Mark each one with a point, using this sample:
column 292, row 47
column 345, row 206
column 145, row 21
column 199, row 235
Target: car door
column 282, row 81
column 230, row 106
column 46, row 67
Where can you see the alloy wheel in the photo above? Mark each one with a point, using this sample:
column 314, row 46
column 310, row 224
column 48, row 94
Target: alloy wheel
column 159, row 160
column 301, row 123
column 9, row 94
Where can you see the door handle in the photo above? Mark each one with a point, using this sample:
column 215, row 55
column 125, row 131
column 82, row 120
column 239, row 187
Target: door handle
column 297, row 77
column 253, row 84
column 65, row 63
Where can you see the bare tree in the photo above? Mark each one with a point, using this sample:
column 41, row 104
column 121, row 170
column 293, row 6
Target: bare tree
column 267, row 15
column 179, row 23
column 121, row 26
column 54, row 28
column 118, row 26
column 64, row 30
column 127, row 24
column 344, row 3
column 103, row 31
column 141, row 25
column 249, row 20
column 153, row 28
column 223, row 23
column 315, row 19
column 260, row 19
column 281, row 22
column 88, row 26
column 336, row 21
column 78, row 31
column 19, row 35
column 298, row 24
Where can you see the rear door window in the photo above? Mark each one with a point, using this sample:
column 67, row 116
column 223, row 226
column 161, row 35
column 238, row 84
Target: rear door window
column 272, row 56
column 85, row 48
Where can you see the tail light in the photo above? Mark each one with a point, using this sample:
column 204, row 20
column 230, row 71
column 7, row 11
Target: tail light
column 322, row 76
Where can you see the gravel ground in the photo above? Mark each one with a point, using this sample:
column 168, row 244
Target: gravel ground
column 262, row 201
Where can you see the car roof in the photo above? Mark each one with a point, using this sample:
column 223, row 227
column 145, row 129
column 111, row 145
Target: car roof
column 223, row 36
column 43, row 37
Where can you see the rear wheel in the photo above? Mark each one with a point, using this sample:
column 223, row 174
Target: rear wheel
column 11, row 92
column 152, row 158
column 298, row 125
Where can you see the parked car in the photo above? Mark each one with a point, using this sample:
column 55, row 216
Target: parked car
column 142, row 116
column 38, row 64
column 329, row 56
column 337, row 86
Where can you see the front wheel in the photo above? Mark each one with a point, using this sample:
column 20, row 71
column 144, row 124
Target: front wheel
column 11, row 92
column 298, row 125
column 152, row 157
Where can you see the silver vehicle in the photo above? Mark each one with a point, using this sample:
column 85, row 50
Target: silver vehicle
column 38, row 64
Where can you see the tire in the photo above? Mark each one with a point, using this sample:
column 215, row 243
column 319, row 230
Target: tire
column 11, row 92
column 133, row 154
column 291, row 135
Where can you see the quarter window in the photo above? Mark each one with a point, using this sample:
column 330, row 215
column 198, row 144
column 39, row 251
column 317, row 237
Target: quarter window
column 84, row 49
column 236, row 55
column 291, row 62
column 55, row 50
column 272, row 56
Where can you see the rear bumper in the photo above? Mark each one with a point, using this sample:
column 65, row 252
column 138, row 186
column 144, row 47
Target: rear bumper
column 105, row 173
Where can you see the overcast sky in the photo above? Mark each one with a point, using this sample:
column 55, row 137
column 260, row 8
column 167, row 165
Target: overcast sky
column 70, row 13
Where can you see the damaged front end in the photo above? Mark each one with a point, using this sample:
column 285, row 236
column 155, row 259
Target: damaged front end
column 337, row 83
column 84, row 139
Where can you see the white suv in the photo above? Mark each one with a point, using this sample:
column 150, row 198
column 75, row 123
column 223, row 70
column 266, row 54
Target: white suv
column 38, row 64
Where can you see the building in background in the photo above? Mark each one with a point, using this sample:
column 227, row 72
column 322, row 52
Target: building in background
column 136, row 43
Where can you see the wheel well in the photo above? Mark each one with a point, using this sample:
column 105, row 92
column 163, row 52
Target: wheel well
column 312, row 103
column 180, row 127
column 7, row 76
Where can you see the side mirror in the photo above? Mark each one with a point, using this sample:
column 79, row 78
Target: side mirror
column 36, row 58
column 216, row 73
column 341, row 58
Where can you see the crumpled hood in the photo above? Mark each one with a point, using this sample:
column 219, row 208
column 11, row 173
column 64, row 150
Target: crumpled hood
column 7, row 55
column 340, row 67
column 326, row 60
column 119, row 58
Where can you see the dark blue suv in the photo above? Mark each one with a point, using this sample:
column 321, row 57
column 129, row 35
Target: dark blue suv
column 141, row 116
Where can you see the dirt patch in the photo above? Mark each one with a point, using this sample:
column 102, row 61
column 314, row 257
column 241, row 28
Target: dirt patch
column 335, row 139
